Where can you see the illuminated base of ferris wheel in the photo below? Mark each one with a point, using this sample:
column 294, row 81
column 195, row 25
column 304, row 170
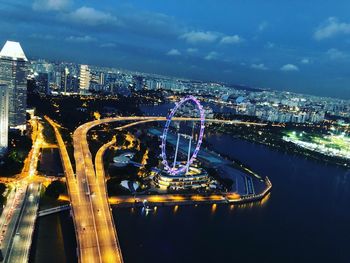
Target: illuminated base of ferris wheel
column 195, row 178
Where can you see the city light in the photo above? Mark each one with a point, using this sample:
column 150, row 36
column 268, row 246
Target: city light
column 330, row 145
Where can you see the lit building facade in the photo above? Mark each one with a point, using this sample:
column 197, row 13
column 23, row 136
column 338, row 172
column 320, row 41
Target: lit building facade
column 4, row 111
column 64, row 80
column 195, row 178
column 13, row 73
column 84, row 82
column 138, row 83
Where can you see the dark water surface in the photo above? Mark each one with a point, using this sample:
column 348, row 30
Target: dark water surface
column 50, row 162
column 306, row 218
column 54, row 239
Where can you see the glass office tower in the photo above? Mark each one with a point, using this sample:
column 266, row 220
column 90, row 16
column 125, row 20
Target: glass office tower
column 13, row 73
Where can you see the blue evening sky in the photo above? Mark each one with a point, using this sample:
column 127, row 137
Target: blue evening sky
column 299, row 45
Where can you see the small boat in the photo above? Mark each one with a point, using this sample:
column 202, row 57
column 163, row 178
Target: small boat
column 146, row 206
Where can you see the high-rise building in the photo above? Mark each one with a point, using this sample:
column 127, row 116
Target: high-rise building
column 13, row 73
column 84, row 82
column 138, row 83
column 4, row 111
column 42, row 82
column 64, row 79
column 102, row 78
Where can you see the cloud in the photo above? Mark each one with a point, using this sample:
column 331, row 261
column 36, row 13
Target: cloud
column 262, row 26
column 42, row 36
column 192, row 50
column 173, row 52
column 269, row 45
column 195, row 37
column 92, row 17
column 332, row 27
column 305, row 61
column 108, row 45
column 211, row 56
column 335, row 54
column 235, row 39
column 289, row 67
column 153, row 24
column 259, row 66
column 80, row 39
column 50, row 5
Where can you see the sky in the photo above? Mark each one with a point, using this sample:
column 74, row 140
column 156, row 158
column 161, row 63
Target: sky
column 299, row 46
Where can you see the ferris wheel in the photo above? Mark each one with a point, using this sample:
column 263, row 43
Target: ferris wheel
column 190, row 159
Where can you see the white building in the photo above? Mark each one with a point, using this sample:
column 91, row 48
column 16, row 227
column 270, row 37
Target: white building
column 4, row 117
column 84, row 80
column 13, row 73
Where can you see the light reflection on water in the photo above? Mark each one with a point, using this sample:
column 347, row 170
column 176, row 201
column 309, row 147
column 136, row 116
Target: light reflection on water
column 212, row 207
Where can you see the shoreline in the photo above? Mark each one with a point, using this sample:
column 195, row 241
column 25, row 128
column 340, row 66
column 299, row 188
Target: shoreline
column 188, row 199
column 291, row 148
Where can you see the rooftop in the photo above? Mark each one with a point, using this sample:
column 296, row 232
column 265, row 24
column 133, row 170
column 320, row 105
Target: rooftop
column 13, row 50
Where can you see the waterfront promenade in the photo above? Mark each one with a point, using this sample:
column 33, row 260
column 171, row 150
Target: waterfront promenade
column 189, row 199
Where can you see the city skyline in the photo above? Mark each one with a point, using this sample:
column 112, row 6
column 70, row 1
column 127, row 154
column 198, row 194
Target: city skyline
column 248, row 44
column 228, row 84
column 127, row 127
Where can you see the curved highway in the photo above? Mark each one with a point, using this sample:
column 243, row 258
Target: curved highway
column 95, row 230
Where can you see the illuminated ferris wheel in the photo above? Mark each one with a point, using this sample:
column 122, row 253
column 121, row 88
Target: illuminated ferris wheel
column 190, row 159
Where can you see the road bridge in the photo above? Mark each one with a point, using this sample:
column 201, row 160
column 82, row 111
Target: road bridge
column 53, row 210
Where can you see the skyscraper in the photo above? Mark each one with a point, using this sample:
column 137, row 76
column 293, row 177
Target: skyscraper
column 84, row 83
column 102, row 78
column 64, row 79
column 13, row 73
column 138, row 82
column 42, row 82
column 4, row 110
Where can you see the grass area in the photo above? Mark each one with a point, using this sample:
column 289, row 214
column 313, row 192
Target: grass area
column 19, row 147
column 339, row 142
column 329, row 145
column 49, row 195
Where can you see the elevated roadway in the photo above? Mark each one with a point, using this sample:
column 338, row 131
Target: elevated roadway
column 53, row 210
column 85, row 229
column 95, row 230
column 22, row 240
column 15, row 221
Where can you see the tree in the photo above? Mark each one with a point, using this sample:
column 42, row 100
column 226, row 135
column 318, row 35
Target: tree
column 120, row 139
column 152, row 160
column 114, row 187
column 2, row 197
column 55, row 189
column 2, row 188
